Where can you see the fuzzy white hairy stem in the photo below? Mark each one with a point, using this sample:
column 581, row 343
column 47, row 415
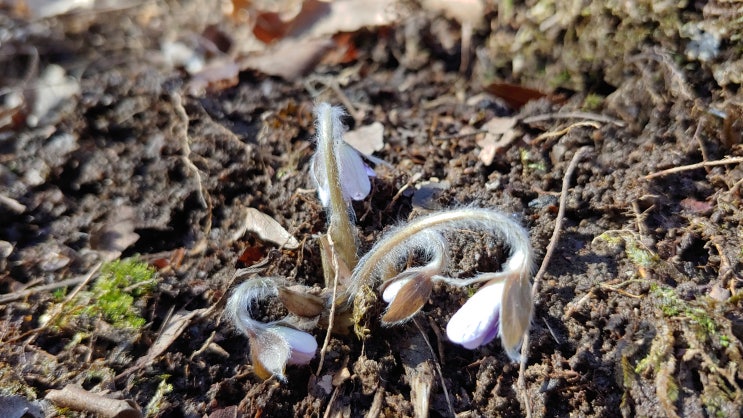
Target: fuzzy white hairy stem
column 434, row 247
column 329, row 129
column 398, row 242
column 482, row 316
column 273, row 345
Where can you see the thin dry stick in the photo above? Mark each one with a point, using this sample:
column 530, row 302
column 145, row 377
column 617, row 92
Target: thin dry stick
column 574, row 115
column 331, row 315
column 561, row 132
column 558, row 220
column 543, row 268
column 724, row 161
column 331, row 403
column 438, row 368
column 181, row 131
column 35, row 332
column 43, row 288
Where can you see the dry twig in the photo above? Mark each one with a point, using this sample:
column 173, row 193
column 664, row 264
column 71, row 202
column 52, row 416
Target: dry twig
column 331, row 315
column 703, row 164
column 545, row 262
column 574, row 115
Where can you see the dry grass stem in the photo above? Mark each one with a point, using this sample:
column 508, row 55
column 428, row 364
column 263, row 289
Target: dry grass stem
column 331, row 314
column 543, row 268
column 724, row 161
column 574, row 115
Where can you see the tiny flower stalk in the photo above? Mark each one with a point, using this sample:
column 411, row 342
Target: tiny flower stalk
column 502, row 307
column 275, row 344
column 340, row 176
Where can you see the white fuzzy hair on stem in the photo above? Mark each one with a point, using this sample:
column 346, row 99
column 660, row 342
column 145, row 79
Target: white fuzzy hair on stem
column 340, row 176
column 512, row 315
column 273, row 345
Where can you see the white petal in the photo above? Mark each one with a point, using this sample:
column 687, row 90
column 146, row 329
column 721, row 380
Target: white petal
column 473, row 324
column 317, row 171
column 302, row 345
column 391, row 290
column 353, row 176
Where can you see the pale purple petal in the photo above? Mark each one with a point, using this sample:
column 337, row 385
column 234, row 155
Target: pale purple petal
column 477, row 322
column 302, row 345
column 353, row 176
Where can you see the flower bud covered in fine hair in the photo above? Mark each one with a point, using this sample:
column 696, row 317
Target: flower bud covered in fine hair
column 353, row 173
column 273, row 345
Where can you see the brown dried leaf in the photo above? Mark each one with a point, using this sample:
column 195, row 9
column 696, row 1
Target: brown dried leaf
column 77, row 398
column 290, row 58
column 217, row 75
column 516, row 96
column 499, row 135
column 366, row 139
column 463, row 11
column 267, row 229
column 301, row 303
column 170, row 332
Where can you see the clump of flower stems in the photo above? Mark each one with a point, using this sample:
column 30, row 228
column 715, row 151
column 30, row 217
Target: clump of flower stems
column 502, row 306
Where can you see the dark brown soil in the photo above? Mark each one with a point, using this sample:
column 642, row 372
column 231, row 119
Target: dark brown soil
column 638, row 314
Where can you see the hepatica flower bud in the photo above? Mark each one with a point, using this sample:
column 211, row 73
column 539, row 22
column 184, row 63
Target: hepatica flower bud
column 334, row 158
column 477, row 322
column 273, row 345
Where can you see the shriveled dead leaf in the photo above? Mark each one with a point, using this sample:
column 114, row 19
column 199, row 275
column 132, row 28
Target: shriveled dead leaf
column 351, row 16
column 463, row 11
column 289, row 59
column 49, row 8
column 79, row 399
column 316, row 19
column 216, row 75
column 499, row 135
column 267, row 229
column 366, row 139
column 300, row 302
column 516, row 96
column 171, row 331
column 300, row 37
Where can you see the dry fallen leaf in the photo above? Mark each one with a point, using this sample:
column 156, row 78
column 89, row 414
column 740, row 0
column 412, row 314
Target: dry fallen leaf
column 302, row 36
column 366, row 139
column 321, row 19
column 217, row 75
column 499, row 134
column 79, row 399
column 463, row 11
column 290, row 58
column 267, row 229
column 170, row 332
column 516, row 96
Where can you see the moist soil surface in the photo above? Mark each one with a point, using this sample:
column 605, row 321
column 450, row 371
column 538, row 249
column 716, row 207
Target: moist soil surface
column 638, row 310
